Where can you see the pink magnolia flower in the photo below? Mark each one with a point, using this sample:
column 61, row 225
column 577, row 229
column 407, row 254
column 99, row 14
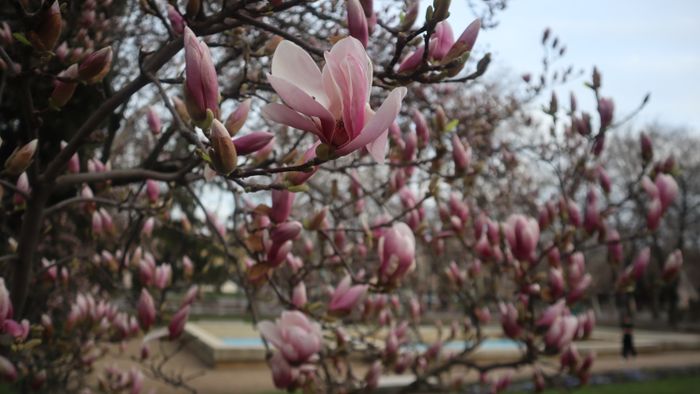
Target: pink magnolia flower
column 551, row 313
column 177, row 22
column 235, row 121
column 591, row 216
column 672, row 266
column 252, row 142
column 461, row 153
column 96, row 65
column 283, row 375
column 561, row 332
column 163, row 275
column 606, row 108
column 147, row 229
column 509, row 320
column 299, row 295
column 556, row 281
column 372, row 376
column 422, row 128
column 282, row 201
column 153, row 120
column 190, row 296
column 614, row 245
column 641, row 262
column 23, row 186
column 7, row 369
column 357, row 22
column 201, row 85
column 397, row 253
column 146, row 310
column 346, row 297
column 333, row 104
column 152, row 191
column 21, row 158
column 5, row 302
column 297, row 339
column 668, row 189
column 62, row 89
column 74, row 162
column 522, row 234
column 177, row 324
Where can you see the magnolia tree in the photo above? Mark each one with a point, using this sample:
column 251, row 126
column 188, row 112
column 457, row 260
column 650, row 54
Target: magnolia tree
column 372, row 177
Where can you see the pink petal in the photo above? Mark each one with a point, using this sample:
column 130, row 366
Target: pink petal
column 292, row 63
column 271, row 332
column 378, row 124
column 297, row 99
column 280, row 113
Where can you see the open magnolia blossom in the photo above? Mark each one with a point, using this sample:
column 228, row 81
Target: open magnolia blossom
column 333, row 104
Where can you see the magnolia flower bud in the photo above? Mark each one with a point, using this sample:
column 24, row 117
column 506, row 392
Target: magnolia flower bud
column 357, row 22
column 7, row 370
column 163, row 275
column 63, row 90
column 153, row 120
column 224, row 156
column 465, row 42
column 177, row 323
column 282, row 201
column 667, row 188
column 672, row 266
column 641, row 262
column 146, row 310
column 96, row 65
column 283, row 375
column 614, row 245
column 147, row 229
column 606, row 108
column 252, row 142
column 48, row 30
column 461, row 153
column 96, row 224
column 396, row 253
column 422, row 128
column 509, row 320
column 152, row 191
column 74, row 162
column 177, row 22
column 373, row 375
column 21, row 158
column 181, row 109
column 345, row 297
column 201, row 85
column 235, row 121
column 522, row 234
column 299, row 295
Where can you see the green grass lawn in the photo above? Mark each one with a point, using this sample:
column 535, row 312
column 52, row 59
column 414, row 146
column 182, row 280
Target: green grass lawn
column 679, row 385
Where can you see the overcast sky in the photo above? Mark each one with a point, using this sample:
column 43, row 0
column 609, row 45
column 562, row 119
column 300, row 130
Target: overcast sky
column 639, row 45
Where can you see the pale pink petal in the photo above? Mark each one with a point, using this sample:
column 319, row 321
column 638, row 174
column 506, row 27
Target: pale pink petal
column 292, row 63
column 378, row 148
column 270, row 331
column 350, row 46
column 378, row 124
column 299, row 100
column 280, row 113
column 295, row 318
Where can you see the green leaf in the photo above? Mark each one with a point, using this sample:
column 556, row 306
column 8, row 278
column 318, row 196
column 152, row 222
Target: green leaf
column 452, row 125
column 22, row 38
